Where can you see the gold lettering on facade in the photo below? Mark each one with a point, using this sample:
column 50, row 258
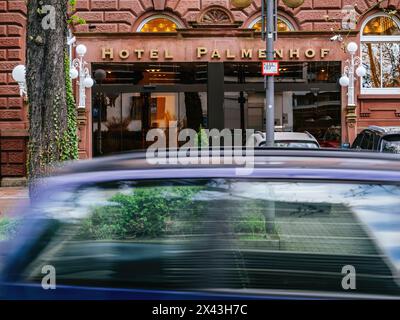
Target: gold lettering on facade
column 247, row 53
column 324, row 53
column 294, row 53
column 154, row 54
column 310, row 53
column 262, row 54
column 229, row 55
column 139, row 53
column 124, row 54
column 278, row 53
column 107, row 53
column 201, row 51
column 167, row 55
column 215, row 54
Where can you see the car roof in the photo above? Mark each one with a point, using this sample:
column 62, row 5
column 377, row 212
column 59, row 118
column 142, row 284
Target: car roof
column 291, row 136
column 263, row 157
column 384, row 130
column 294, row 136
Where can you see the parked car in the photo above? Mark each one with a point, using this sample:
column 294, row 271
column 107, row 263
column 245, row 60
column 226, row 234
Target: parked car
column 301, row 140
column 294, row 227
column 331, row 138
column 378, row 139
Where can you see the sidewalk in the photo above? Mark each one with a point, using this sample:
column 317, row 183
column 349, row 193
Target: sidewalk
column 9, row 197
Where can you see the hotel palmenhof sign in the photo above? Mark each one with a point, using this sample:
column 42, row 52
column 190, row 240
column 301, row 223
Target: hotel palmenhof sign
column 204, row 53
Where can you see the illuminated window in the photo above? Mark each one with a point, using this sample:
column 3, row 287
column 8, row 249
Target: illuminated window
column 380, row 49
column 381, row 25
column 158, row 24
column 283, row 25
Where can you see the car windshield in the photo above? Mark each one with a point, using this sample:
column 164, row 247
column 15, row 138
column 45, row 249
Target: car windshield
column 296, row 144
column 391, row 145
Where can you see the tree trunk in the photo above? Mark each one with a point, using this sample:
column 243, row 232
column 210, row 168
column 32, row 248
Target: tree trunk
column 46, row 47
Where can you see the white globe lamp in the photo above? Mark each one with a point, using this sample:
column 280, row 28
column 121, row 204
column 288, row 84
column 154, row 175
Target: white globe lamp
column 73, row 73
column 81, row 50
column 88, row 82
column 18, row 73
column 361, row 71
column 344, row 81
column 352, row 47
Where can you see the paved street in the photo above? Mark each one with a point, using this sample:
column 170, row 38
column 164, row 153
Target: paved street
column 9, row 197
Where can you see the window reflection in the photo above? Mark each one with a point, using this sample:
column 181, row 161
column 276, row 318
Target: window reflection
column 223, row 234
column 382, row 64
column 371, row 55
column 380, row 54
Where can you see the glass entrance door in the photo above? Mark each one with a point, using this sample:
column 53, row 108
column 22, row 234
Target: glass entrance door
column 135, row 98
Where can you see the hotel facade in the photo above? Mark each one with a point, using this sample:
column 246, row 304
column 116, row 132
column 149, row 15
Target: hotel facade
column 197, row 63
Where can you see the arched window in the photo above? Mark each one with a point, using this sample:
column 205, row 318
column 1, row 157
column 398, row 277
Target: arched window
column 380, row 51
column 283, row 25
column 159, row 23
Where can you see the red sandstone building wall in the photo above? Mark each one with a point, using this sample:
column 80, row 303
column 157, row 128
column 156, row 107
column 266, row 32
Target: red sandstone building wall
column 114, row 19
column 13, row 113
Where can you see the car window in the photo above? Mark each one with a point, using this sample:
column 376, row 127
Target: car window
column 376, row 142
column 391, row 144
column 296, row 144
column 224, row 234
column 367, row 142
column 358, row 141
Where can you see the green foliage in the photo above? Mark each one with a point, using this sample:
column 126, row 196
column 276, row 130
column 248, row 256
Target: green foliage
column 76, row 20
column 252, row 220
column 8, row 228
column 143, row 213
column 69, row 139
column 201, row 138
column 251, row 223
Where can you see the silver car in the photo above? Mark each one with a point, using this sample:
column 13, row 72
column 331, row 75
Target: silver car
column 301, row 140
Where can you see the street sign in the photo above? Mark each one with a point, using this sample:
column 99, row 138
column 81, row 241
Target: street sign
column 270, row 68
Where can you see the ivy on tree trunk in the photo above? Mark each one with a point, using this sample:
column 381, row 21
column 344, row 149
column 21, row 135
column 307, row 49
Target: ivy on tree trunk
column 46, row 86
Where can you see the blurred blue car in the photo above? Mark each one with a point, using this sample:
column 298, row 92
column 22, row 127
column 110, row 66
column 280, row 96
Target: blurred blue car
column 305, row 224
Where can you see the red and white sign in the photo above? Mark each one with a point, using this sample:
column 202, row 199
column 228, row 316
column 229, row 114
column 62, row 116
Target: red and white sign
column 270, row 68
